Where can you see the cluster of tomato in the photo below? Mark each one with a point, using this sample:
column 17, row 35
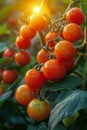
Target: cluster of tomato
column 64, row 50
column 7, row 76
column 26, row 93
column 52, row 69
column 23, row 42
column 55, row 61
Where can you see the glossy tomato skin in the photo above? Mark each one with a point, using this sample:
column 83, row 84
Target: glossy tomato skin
column 51, row 36
column 38, row 110
column 75, row 15
column 64, row 50
column 72, row 32
column 27, row 32
column 69, row 64
column 23, row 43
column 43, row 56
column 34, row 79
column 8, row 53
column 24, row 95
column 53, row 70
column 9, row 76
column 22, row 58
column 38, row 22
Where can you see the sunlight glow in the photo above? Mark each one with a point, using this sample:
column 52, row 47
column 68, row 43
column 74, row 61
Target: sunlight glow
column 36, row 9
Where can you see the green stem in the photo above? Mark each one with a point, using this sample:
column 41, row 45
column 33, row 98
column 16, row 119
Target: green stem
column 84, row 82
column 78, row 73
column 61, row 19
column 41, row 37
column 72, row 4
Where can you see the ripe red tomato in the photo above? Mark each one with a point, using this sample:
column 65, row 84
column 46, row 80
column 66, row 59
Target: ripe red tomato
column 38, row 110
column 23, row 43
column 34, row 79
column 9, row 76
column 75, row 15
column 8, row 53
column 22, row 58
column 69, row 64
column 1, row 91
column 64, row 50
column 53, row 70
column 24, row 95
column 72, row 32
column 38, row 22
column 27, row 32
column 1, row 71
column 50, row 37
column 43, row 56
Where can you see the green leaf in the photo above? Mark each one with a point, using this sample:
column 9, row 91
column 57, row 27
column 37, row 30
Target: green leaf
column 59, row 127
column 4, row 97
column 84, row 6
column 3, row 47
column 31, row 127
column 17, row 120
column 4, row 59
column 71, row 103
column 52, row 97
column 68, row 83
column 4, row 30
column 6, row 112
column 42, row 126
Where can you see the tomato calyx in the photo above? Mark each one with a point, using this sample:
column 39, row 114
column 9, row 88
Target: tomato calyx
column 38, row 67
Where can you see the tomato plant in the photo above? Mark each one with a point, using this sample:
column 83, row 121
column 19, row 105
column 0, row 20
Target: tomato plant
column 43, row 65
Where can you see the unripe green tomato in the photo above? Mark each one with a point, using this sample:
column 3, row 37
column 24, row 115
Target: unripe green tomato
column 68, row 121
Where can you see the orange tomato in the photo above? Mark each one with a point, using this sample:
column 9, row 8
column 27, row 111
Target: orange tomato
column 23, row 94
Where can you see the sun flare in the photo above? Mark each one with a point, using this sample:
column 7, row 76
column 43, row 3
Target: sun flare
column 36, row 9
